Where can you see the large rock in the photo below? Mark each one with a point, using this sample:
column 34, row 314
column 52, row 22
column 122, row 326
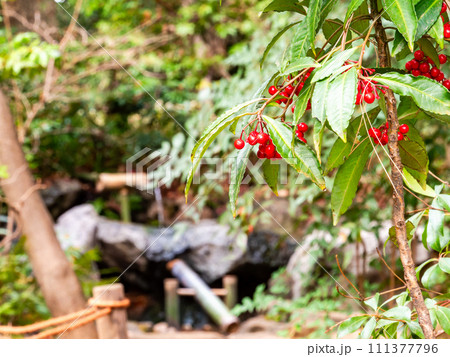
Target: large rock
column 208, row 247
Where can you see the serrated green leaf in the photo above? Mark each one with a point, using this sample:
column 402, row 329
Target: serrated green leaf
column 238, row 168
column 301, row 157
column 341, row 102
column 312, row 19
column 351, row 325
column 347, row 179
column 301, row 63
column 426, row 93
column 411, row 182
column 427, row 47
column 403, row 15
column 333, row 64
column 270, row 174
column 319, row 100
column 444, row 264
column 299, row 43
column 399, row 313
column 285, row 5
column 414, row 156
column 368, row 328
column 340, row 150
column 437, row 32
column 273, row 41
column 443, row 316
column 427, row 13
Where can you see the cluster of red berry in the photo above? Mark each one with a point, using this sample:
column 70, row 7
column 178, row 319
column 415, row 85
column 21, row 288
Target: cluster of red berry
column 447, row 25
column 422, row 65
column 302, row 128
column 380, row 136
column 367, row 89
column 266, row 148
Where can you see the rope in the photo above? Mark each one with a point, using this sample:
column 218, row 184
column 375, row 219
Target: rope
column 95, row 310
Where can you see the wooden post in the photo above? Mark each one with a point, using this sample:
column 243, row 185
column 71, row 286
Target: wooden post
column 172, row 302
column 230, row 285
column 113, row 325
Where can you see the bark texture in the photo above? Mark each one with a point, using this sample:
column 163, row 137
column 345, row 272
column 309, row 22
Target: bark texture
column 398, row 208
column 57, row 280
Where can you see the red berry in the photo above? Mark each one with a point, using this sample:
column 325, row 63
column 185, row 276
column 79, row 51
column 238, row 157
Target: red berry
column 260, row 154
column 419, row 55
column 303, row 139
column 299, row 88
column 270, row 151
column 415, row 64
column 435, row 72
column 444, row 7
column 239, row 144
column 404, row 128
column 289, row 89
column 303, row 127
column 430, row 61
column 399, row 136
column 386, row 125
column 415, row 72
column 428, row 75
column 424, row 67
column 442, row 59
column 408, row 66
column 272, row 90
column 446, row 84
column 440, row 77
column 384, row 139
column 252, row 138
column 299, row 134
column 447, row 32
column 374, row 133
column 262, row 138
column 369, row 98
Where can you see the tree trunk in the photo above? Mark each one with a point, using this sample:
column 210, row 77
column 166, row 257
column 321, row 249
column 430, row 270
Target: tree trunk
column 398, row 209
column 58, row 282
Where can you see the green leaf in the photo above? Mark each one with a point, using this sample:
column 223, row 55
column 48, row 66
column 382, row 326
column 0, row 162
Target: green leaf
column 373, row 302
column 435, row 228
column 299, row 43
column 393, row 234
column 341, row 102
column 270, row 173
column 414, row 156
column 330, row 28
column 302, row 102
column 404, row 17
column 238, row 168
column 341, row 149
column 301, row 63
column 327, row 6
column 427, row 13
column 399, row 313
column 444, row 264
column 411, row 182
column 426, row 93
column 399, row 44
column 333, row 64
column 362, row 26
column 354, row 4
column 301, row 157
column 319, row 100
column 432, row 276
column 285, row 5
column 274, row 40
column 415, row 328
column 443, row 316
column 347, row 179
column 437, row 32
column 427, row 47
column 318, row 138
column 312, row 19
column 368, row 329
column 351, row 325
